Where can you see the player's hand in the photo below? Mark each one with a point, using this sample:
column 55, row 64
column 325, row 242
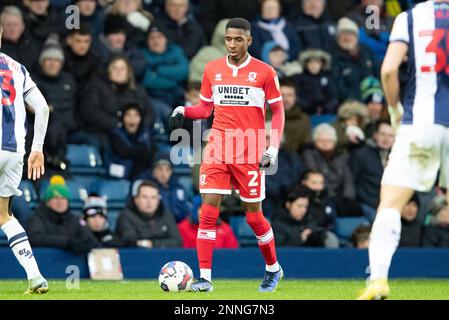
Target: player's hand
column 396, row 114
column 36, row 167
column 176, row 119
column 269, row 157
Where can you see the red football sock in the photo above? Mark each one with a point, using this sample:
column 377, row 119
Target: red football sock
column 264, row 235
column 205, row 240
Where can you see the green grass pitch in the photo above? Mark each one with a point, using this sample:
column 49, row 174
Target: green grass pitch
column 227, row 290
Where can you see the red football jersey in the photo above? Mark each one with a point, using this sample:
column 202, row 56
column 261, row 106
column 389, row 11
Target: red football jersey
column 239, row 94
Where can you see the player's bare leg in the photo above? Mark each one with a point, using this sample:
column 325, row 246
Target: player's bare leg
column 18, row 241
column 205, row 243
column 384, row 239
column 265, row 239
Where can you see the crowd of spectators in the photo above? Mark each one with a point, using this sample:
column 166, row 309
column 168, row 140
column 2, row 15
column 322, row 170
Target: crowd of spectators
column 113, row 81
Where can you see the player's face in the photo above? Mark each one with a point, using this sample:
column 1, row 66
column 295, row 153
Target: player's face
column 314, row 182
column 87, row 7
column 147, row 201
column 177, row 9
column 38, row 7
column 314, row 8
column 131, row 120
column 288, row 97
column 385, row 137
column 237, row 42
column 80, row 44
column 51, row 67
column 13, row 27
column 162, row 174
column 271, row 9
column 96, row 223
column 298, row 208
column 410, row 211
column 59, row 205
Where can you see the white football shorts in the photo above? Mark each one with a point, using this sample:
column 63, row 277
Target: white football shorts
column 417, row 155
column 11, row 168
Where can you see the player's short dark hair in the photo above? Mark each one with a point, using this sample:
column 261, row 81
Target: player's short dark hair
column 239, row 23
column 306, row 174
column 83, row 30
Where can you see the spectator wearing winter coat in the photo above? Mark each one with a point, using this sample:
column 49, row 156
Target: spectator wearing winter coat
column 101, row 100
column 294, row 227
column 274, row 55
column 138, row 20
column 351, row 120
column 131, row 145
column 436, row 234
column 60, row 90
column 215, row 50
column 297, row 130
column 17, row 41
column 314, row 28
column 316, row 88
column 325, row 157
column 115, row 41
column 146, row 223
column 212, row 11
column 180, row 28
column 95, row 215
column 54, row 225
column 321, row 205
column 367, row 165
column 42, row 19
column 188, row 228
column 173, row 195
column 271, row 26
column 376, row 39
column 351, row 61
column 166, row 69
column 411, row 229
column 80, row 60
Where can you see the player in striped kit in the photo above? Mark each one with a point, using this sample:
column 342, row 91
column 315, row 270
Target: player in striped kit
column 16, row 88
column 422, row 142
column 236, row 88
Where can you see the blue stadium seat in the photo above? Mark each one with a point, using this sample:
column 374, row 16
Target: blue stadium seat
column 29, row 193
column 112, row 218
column 115, row 190
column 187, row 183
column 344, row 226
column 323, row 118
column 78, row 193
column 84, row 159
column 243, row 231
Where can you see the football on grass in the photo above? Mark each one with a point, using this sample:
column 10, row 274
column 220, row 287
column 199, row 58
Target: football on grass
column 175, row 276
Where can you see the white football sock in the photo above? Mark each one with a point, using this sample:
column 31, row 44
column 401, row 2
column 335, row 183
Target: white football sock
column 18, row 241
column 206, row 274
column 384, row 239
column 273, row 268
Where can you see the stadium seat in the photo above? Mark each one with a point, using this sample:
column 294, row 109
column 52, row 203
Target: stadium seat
column 78, row 193
column 323, row 118
column 112, row 218
column 84, row 159
column 243, row 231
column 187, row 183
column 116, row 191
column 29, row 193
column 344, row 226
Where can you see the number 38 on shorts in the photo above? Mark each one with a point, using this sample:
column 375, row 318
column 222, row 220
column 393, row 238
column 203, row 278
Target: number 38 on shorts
column 245, row 179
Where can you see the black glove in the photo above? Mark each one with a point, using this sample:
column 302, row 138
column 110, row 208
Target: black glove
column 176, row 120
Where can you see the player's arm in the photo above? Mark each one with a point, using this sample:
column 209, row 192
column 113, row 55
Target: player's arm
column 274, row 98
column 36, row 101
column 396, row 52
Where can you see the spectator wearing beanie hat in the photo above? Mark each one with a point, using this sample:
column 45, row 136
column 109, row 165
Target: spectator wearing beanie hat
column 351, row 61
column 374, row 98
column 61, row 92
column 54, row 225
column 114, row 41
column 436, row 233
column 95, row 214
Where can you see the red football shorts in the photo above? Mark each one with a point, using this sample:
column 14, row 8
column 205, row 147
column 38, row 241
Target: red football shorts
column 221, row 178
